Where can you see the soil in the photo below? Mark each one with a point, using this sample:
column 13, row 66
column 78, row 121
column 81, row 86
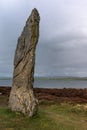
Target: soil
column 56, row 95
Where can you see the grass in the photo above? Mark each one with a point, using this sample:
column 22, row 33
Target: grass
column 49, row 117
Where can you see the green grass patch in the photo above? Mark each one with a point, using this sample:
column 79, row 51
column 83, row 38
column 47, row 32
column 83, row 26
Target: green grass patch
column 49, row 117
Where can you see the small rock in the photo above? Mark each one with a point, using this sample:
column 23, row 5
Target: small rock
column 0, row 93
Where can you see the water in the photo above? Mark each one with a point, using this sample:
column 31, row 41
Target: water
column 52, row 83
column 5, row 82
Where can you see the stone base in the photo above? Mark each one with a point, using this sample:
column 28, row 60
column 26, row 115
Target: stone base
column 23, row 101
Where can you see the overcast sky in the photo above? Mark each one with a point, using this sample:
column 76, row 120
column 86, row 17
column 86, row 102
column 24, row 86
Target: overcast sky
column 62, row 47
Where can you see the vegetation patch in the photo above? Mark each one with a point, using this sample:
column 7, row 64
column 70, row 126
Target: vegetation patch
column 52, row 116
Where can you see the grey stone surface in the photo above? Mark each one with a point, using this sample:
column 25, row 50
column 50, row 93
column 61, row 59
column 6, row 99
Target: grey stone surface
column 22, row 98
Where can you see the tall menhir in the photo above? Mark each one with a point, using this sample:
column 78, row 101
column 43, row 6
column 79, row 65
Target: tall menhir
column 22, row 98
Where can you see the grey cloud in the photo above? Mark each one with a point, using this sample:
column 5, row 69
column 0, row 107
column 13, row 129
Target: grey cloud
column 62, row 46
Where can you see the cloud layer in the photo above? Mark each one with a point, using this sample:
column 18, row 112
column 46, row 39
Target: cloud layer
column 62, row 46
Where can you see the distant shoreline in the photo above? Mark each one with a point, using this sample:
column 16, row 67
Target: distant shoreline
column 53, row 78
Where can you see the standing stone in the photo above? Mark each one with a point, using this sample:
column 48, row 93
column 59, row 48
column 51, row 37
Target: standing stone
column 22, row 98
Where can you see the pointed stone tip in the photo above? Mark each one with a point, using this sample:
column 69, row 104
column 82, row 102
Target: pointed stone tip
column 35, row 13
column 34, row 10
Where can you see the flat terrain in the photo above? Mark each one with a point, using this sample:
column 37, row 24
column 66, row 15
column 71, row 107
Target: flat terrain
column 57, row 111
